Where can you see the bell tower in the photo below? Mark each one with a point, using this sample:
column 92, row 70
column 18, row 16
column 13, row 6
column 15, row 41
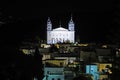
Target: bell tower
column 49, row 29
column 71, row 25
column 49, row 24
column 71, row 28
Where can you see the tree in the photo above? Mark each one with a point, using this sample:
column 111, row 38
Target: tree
column 37, row 64
column 53, row 48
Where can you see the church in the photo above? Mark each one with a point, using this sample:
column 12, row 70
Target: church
column 60, row 34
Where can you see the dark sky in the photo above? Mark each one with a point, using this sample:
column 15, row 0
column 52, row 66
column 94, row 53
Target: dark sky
column 27, row 18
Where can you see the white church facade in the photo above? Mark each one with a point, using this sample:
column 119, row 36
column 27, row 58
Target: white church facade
column 60, row 34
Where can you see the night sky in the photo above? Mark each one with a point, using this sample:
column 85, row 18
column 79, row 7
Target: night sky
column 25, row 19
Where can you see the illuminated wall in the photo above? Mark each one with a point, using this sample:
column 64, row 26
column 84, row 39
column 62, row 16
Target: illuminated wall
column 53, row 73
column 58, row 62
column 92, row 69
column 67, row 59
column 102, row 66
column 60, row 34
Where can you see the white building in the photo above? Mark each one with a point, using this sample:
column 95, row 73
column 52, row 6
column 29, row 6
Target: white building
column 60, row 34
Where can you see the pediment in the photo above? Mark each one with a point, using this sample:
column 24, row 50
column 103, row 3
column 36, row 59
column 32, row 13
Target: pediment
column 60, row 29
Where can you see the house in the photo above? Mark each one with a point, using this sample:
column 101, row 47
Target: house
column 53, row 73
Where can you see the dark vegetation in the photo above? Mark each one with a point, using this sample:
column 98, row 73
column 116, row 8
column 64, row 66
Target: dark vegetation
column 14, row 65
